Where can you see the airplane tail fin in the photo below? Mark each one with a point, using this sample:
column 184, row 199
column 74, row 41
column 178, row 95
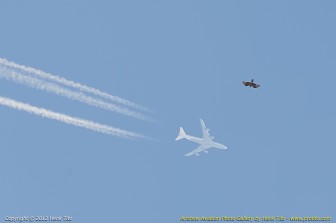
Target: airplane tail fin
column 181, row 134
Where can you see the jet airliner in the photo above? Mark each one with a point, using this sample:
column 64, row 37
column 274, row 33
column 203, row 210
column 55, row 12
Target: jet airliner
column 205, row 143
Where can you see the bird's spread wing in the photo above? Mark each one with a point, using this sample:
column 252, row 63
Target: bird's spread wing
column 197, row 150
column 256, row 86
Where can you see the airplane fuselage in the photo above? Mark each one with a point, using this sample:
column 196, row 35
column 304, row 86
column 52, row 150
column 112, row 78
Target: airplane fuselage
column 205, row 142
column 194, row 139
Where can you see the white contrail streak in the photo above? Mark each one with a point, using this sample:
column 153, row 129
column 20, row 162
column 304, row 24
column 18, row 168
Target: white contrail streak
column 74, row 95
column 69, row 119
column 70, row 83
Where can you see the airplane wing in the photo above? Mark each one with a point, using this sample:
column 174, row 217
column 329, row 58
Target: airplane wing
column 197, row 150
column 205, row 130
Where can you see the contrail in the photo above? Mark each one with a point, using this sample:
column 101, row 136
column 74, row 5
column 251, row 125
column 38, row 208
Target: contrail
column 74, row 95
column 69, row 119
column 72, row 84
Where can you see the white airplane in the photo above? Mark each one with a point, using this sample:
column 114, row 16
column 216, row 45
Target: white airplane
column 205, row 143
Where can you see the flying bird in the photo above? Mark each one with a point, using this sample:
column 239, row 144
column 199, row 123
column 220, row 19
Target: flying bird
column 251, row 84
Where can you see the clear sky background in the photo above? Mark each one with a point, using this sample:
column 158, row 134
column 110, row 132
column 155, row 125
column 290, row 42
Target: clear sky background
column 185, row 60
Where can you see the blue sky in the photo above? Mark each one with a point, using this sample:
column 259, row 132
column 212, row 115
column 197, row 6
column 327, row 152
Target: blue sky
column 185, row 60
